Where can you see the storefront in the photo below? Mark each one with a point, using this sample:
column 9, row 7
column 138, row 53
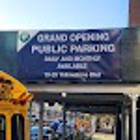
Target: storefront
column 92, row 72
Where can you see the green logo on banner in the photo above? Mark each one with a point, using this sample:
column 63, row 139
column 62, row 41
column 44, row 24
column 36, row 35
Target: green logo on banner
column 24, row 36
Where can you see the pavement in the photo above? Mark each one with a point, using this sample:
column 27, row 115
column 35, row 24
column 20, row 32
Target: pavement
column 103, row 136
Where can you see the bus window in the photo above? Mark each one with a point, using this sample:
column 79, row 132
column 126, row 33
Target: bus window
column 2, row 127
column 17, row 127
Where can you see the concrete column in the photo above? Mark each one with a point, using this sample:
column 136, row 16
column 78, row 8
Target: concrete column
column 118, row 127
column 130, row 125
column 41, row 109
column 30, row 111
column 64, row 122
column 123, row 122
column 127, row 126
column 134, row 115
column 64, row 95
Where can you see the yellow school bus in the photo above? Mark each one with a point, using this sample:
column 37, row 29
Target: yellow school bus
column 14, row 104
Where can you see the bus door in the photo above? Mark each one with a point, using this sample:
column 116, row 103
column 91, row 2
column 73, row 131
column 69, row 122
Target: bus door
column 2, row 127
column 17, row 127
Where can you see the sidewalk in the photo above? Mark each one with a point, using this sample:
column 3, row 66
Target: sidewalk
column 101, row 136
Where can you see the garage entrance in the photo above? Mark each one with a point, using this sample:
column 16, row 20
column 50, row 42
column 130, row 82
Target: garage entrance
column 81, row 116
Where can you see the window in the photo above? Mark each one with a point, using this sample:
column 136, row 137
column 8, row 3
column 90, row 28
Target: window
column 17, row 127
column 2, row 127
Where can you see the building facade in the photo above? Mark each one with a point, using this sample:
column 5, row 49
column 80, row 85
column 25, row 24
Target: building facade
column 134, row 16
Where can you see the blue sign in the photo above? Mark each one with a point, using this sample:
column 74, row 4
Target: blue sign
column 69, row 56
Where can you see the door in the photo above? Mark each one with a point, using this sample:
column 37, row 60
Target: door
column 17, row 127
column 2, row 127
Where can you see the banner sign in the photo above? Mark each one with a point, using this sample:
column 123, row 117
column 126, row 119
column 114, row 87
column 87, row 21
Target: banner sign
column 69, row 56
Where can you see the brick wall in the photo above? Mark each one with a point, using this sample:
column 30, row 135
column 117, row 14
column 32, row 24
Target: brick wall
column 134, row 13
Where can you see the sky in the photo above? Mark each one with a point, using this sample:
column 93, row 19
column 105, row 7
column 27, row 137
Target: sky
column 63, row 14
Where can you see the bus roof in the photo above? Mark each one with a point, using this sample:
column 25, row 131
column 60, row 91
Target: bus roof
column 13, row 90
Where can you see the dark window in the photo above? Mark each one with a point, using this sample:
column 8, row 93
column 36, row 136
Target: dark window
column 2, row 127
column 17, row 127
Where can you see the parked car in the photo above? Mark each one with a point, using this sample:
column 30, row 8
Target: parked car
column 34, row 133
column 68, row 130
